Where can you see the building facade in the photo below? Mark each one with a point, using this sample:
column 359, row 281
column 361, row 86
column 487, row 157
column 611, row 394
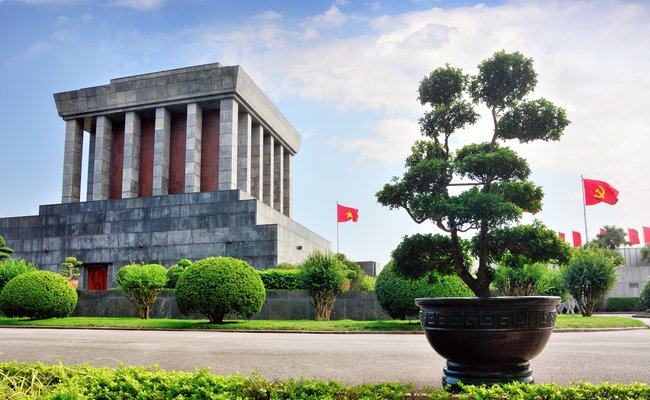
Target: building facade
column 186, row 163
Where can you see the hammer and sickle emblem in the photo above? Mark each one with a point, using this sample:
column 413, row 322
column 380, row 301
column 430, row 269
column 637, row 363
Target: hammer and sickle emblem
column 599, row 193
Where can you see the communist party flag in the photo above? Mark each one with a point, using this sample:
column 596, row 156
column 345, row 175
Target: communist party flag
column 646, row 235
column 345, row 214
column 577, row 239
column 633, row 234
column 597, row 191
column 602, row 231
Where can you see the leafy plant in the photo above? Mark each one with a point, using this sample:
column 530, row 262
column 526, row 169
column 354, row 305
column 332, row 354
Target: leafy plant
column 495, row 177
column 355, row 273
column 644, row 299
column 13, row 267
column 645, row 253
column 529, row 280
column 142, row 283
column 217, row 286
column 590, row 274
column 624, row 304
column 38, row 295
column 323, row 276
column 5, row 251
column 397, row 293
column 281, row 279
column 612, row 238
column 71, row 268
column 175, row 271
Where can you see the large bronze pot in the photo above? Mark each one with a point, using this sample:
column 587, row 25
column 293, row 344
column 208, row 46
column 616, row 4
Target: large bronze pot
column 488, row 340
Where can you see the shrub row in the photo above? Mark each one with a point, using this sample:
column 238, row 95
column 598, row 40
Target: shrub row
column 624, row 304
column 281, row 279
column 36, row 381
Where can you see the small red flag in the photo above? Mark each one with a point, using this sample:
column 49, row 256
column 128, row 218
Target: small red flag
column 602, row 231
column 577, row 239
column 597, row 191
column 634, row 236
column 345, row 214
column 562, row 236
column 646, row 235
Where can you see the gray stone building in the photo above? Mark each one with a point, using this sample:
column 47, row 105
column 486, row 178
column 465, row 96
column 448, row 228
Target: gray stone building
column 186, row 163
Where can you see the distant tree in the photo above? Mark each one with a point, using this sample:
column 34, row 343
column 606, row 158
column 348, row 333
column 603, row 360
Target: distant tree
column 612, row 238
column 142, row 283
column 355, row 274
column 645, row 253
column 324, row 277
column 5, row 251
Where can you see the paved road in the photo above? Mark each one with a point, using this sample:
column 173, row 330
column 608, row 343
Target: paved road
column 621, row 356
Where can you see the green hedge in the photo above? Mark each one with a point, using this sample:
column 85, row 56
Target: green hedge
column 624, row 304
column 281, row 279
column 37, row 381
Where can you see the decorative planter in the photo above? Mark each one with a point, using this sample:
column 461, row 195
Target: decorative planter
column 488, row 340
column 74, row 283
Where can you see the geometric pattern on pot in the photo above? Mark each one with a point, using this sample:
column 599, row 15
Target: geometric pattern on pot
column 488, row 320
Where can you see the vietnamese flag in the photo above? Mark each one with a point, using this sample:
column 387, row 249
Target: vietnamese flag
column 634, row 236
column 646, row 235
column 562, row 236
column 345, row 214
column 577, row 239
column 597, row 191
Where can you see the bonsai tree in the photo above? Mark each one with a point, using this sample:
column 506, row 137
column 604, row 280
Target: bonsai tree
column 324, row 277
column 480, row 187
column 142, row 283
column 5, row 251
column 71, row 268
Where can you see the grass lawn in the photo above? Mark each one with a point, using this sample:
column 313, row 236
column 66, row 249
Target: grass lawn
column 563, row 321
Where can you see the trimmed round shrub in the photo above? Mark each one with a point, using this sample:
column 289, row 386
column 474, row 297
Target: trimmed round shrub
column 397, row 293
column 13, row 267
column 217, row 286
column 174, row 272
column 38, row 295
column 644, row 299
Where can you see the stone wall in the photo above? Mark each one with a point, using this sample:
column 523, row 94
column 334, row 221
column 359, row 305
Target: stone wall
column 360, row 306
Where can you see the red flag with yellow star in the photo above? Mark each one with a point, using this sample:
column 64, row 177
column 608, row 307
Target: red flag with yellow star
column 597, row 191
column 346, row 214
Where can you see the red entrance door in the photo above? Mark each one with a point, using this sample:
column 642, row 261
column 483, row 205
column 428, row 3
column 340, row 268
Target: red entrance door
column 97, row 278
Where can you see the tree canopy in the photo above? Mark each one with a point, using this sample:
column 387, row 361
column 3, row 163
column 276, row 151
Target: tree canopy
column 493, row 179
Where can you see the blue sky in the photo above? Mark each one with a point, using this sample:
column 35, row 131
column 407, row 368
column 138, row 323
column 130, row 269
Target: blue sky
column 345, row 73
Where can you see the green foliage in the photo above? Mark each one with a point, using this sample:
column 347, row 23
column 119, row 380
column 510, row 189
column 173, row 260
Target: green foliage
column 142, row 283
column 323, row 276
column 644, row 299
column 5, row 251
column 38, row 295
column 368, row 284
column 71, row 268
column 286, row 265
column 281, row 279
column 590, row 274
column 396, row 293
column 529, row 280
column 612, row 238
column 495, row 178
column 217, row 286
column 13, row 267
column 80, row 382
column 419, row 254
column 175, row 271
column 355, row 274
column 624, row 304
column 645, row 253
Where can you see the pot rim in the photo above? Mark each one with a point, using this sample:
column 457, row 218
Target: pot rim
column 487, row 301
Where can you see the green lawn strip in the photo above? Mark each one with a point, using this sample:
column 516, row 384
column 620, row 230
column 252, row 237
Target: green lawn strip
column 563, row 321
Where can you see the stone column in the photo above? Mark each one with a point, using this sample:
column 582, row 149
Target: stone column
column 286, row 184
column 278, row 180
column 161, row 152
column 257, row 163
column 193, row 148
column 131, row 165
column 269, row 143
column 244, row 152
column 71, row 186
column 228, row 127
column 91, row 167
column 102, row 165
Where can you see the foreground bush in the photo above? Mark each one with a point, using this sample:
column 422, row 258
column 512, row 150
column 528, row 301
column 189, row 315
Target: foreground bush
column 281, row 279
column 11, row 268
column 217, row 286
column 141, row 283
column 396, row 293
column 37, row 381
column 38, row 295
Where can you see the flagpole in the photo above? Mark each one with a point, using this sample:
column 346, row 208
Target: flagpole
column 584, row 207
column 337, row 226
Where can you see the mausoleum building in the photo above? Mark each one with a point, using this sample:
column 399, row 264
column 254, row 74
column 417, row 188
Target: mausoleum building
column 186, row 163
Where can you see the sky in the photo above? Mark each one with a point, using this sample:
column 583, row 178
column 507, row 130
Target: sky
column 345, row 73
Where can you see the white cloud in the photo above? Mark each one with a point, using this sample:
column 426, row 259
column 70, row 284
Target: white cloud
column 333, row 17
column 141, row 5
column 393, row 138
column 310, row 33
column 269, row 16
